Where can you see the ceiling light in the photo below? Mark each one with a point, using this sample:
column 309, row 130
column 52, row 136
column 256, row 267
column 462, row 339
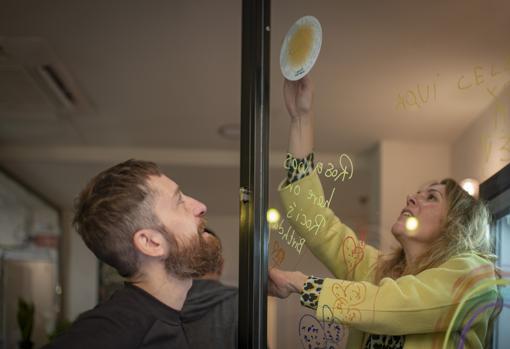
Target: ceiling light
column 230, row 131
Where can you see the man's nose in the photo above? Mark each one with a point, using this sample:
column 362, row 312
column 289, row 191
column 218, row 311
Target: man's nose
column 199, row 208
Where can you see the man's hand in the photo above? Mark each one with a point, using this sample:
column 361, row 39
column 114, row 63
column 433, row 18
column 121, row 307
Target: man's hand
column 283, row 283
column 298, row 97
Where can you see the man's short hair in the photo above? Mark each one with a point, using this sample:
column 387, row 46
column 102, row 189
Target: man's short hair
column 113, row 206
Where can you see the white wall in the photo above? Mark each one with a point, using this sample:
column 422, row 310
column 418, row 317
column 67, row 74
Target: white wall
column 80, row 274
column 373, row 159
column 405, row 167
column 484, row 147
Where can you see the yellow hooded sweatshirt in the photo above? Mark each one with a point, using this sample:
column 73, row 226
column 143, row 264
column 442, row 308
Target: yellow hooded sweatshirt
column 421, row 306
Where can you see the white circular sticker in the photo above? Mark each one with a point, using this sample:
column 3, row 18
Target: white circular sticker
column 300, row 48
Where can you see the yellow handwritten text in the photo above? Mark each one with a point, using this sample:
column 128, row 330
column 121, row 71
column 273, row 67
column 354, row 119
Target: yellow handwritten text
column 294, row 188
column 300, row 217
column 319, row 199
column 485, row 77
column 497, row 140
column 416, row 98
column 289, row 235
column 343, row 169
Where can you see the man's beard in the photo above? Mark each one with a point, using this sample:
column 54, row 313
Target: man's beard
column 193, row 258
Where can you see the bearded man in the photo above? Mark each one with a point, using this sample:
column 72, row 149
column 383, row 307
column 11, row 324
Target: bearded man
column 138, row 221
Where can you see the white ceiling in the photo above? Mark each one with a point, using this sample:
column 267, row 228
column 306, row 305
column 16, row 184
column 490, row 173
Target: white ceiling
column 166, row 75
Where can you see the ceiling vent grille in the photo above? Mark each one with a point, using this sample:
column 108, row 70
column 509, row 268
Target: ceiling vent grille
column 34, row 84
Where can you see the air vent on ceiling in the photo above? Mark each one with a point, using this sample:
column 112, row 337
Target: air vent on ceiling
column 34, row 84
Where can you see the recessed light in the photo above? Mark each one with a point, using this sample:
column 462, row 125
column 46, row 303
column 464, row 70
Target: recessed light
column 230, row 131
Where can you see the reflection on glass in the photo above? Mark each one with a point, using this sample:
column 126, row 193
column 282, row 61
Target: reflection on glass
column 501, row 231
column 29, row 236
column 403, row 115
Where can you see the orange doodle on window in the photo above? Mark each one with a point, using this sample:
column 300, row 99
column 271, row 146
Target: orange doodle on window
column 348, row 295
column 353, row 252
column 277, row 254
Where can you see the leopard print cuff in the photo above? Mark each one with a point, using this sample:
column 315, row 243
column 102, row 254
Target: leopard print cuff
column 311, row 291
column 298, row 168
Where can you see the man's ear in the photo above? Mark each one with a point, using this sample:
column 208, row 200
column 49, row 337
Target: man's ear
column 150, row 242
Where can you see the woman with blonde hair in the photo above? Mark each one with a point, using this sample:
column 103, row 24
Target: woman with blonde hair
column 408, row 299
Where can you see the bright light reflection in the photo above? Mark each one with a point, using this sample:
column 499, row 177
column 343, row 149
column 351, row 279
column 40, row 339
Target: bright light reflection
column 470, row 186
column 411, row 224
column 273, row 216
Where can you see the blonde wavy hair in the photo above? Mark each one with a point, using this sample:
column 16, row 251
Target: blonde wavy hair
column 465, row 230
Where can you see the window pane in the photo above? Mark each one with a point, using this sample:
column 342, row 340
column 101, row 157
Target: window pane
column 405, row 95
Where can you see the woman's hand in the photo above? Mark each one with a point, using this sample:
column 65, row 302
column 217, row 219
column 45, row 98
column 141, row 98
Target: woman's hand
column 283, row 283
column 298, row 97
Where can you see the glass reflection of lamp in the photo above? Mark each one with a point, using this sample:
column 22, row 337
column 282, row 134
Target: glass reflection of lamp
column 273, row 216
column 471, row 186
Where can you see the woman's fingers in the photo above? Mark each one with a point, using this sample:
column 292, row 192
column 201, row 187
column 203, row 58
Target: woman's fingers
column 277, row 283
column 298, row 96
column 272, row 290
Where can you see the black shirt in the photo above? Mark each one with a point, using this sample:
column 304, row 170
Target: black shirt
column 209, row 315
column 130, row 319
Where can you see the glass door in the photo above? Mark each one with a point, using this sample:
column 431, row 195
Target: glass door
column 404, row 94
column 501, row 231
column 496, row 190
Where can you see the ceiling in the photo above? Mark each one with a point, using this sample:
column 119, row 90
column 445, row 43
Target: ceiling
column 159, row 78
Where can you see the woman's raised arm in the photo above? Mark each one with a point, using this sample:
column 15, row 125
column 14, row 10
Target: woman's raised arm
column 298, row 97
